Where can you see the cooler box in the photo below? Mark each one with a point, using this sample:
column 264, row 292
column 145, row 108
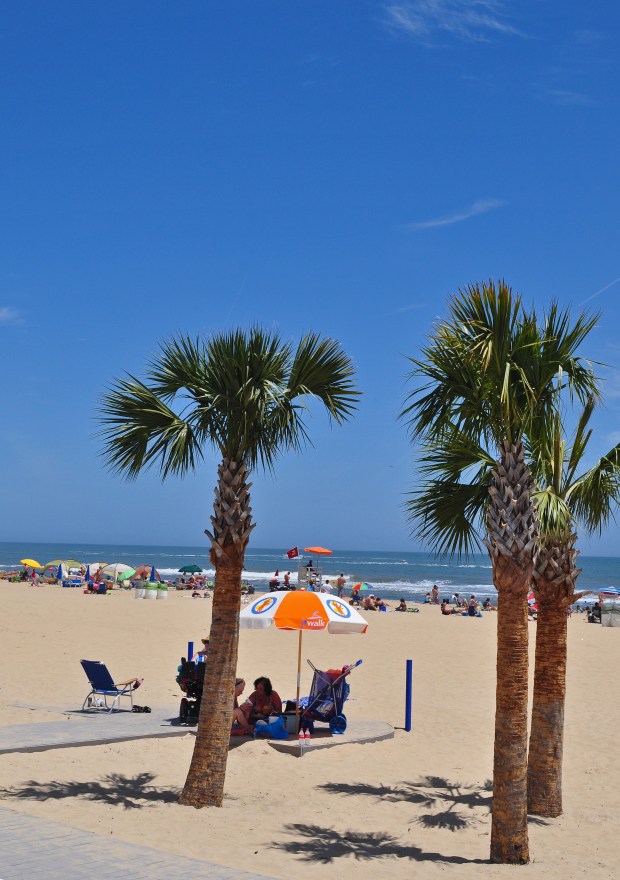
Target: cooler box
column 610, row 612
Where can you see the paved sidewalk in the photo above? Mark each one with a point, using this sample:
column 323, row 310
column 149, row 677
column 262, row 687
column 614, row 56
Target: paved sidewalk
column 33, row 848
column 87, row 729
column 95, row 728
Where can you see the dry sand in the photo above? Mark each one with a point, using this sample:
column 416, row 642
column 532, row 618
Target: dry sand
column 417, row 803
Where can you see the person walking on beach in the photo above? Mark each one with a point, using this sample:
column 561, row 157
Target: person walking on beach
column 340, row 582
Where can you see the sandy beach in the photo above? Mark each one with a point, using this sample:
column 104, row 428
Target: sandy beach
column 419, row 802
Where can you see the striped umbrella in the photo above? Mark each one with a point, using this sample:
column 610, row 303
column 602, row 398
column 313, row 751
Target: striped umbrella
column 299, row 610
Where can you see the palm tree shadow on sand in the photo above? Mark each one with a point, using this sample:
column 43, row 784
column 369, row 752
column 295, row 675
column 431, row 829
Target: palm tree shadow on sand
column 312, row 843
column 131, row 792
column 443, row 799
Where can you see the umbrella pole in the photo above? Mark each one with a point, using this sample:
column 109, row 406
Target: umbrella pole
column 298, row 683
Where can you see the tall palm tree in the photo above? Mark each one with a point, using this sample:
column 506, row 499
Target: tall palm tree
column 245, row 394
column 563, row 496
column 487, row 371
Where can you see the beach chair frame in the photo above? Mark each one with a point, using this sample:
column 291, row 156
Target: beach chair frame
column 102, row 685
column 328, row 695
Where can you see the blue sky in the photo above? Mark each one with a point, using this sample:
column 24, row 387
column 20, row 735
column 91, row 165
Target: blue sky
column 337, row 167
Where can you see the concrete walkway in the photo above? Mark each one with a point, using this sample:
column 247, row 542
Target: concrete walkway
column 96, row 728
column 32, row 848
column 87, row 729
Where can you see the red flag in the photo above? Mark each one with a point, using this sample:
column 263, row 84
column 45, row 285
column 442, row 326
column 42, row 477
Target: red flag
column 292, row 554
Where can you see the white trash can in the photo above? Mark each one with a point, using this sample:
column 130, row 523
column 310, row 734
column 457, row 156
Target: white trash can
column 610, row 612
column 162, row 592
column 138, row 593
column 151, row 591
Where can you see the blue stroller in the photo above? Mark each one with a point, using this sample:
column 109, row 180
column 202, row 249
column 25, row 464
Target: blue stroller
column 328, row 695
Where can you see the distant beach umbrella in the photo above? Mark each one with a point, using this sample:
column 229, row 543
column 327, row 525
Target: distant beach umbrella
column 363, row 586
column 114, row 569
column 31, row 563
column 60, row 574
column 145, row 572
column 190, row 569
column 125, row 575
column 53, row 564
column 318, row 551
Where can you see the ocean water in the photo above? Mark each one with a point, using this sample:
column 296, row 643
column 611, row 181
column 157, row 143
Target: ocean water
column 392, row 575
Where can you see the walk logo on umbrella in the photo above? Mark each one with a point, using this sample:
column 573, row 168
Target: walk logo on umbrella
column 315, row 621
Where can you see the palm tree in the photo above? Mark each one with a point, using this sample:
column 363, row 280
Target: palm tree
column 487, row 371
column 245, row 394
column 562, row 497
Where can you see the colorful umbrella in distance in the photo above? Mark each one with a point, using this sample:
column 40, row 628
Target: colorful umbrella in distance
column 318, row 551
column 53, row 564
column 32, row 563
column 115, row 568
column 67, row 563
column 144, row 572
column 190, row 569
column 302, row 611
column 363, row 586
column 125, row 575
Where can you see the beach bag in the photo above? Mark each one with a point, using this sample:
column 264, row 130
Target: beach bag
column 273, row 730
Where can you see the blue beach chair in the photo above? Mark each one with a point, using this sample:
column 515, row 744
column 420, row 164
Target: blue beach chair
column 102, row 685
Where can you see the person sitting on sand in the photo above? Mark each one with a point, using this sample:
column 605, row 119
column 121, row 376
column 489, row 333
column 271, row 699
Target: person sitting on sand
column 487, row 606
column 594, row 614
column 380, row 604
column 263, row 702
column 369, row 603
column 239, row 718
column 445, row 608
column 355, row 598
column 402, row 606
column 472, row 606
column 201, row 656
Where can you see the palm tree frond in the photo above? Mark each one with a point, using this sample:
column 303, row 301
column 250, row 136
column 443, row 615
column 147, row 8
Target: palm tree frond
column 140, row 430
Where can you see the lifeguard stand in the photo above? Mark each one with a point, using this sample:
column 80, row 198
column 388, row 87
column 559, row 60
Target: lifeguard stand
column 306, row 571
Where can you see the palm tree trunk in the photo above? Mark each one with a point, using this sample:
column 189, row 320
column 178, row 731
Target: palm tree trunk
column 554, row 585
column 544, row 769
column 511, row 541
column 509, row 838
column 231, row 530
column 205, row 780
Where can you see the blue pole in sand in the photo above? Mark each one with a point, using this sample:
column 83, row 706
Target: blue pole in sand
column 190, row 650
column 408, row 680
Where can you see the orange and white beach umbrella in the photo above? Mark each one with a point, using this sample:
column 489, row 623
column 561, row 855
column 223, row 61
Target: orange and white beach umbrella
column 302, row 611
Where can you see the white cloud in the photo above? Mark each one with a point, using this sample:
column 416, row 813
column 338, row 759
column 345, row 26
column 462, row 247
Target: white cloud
column 472, row 20
column 482, row 206
column 8, row 315
column 566, row 97
column 409, row 308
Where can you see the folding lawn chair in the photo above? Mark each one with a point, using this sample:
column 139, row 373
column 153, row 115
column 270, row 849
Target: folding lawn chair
column 102, row 684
